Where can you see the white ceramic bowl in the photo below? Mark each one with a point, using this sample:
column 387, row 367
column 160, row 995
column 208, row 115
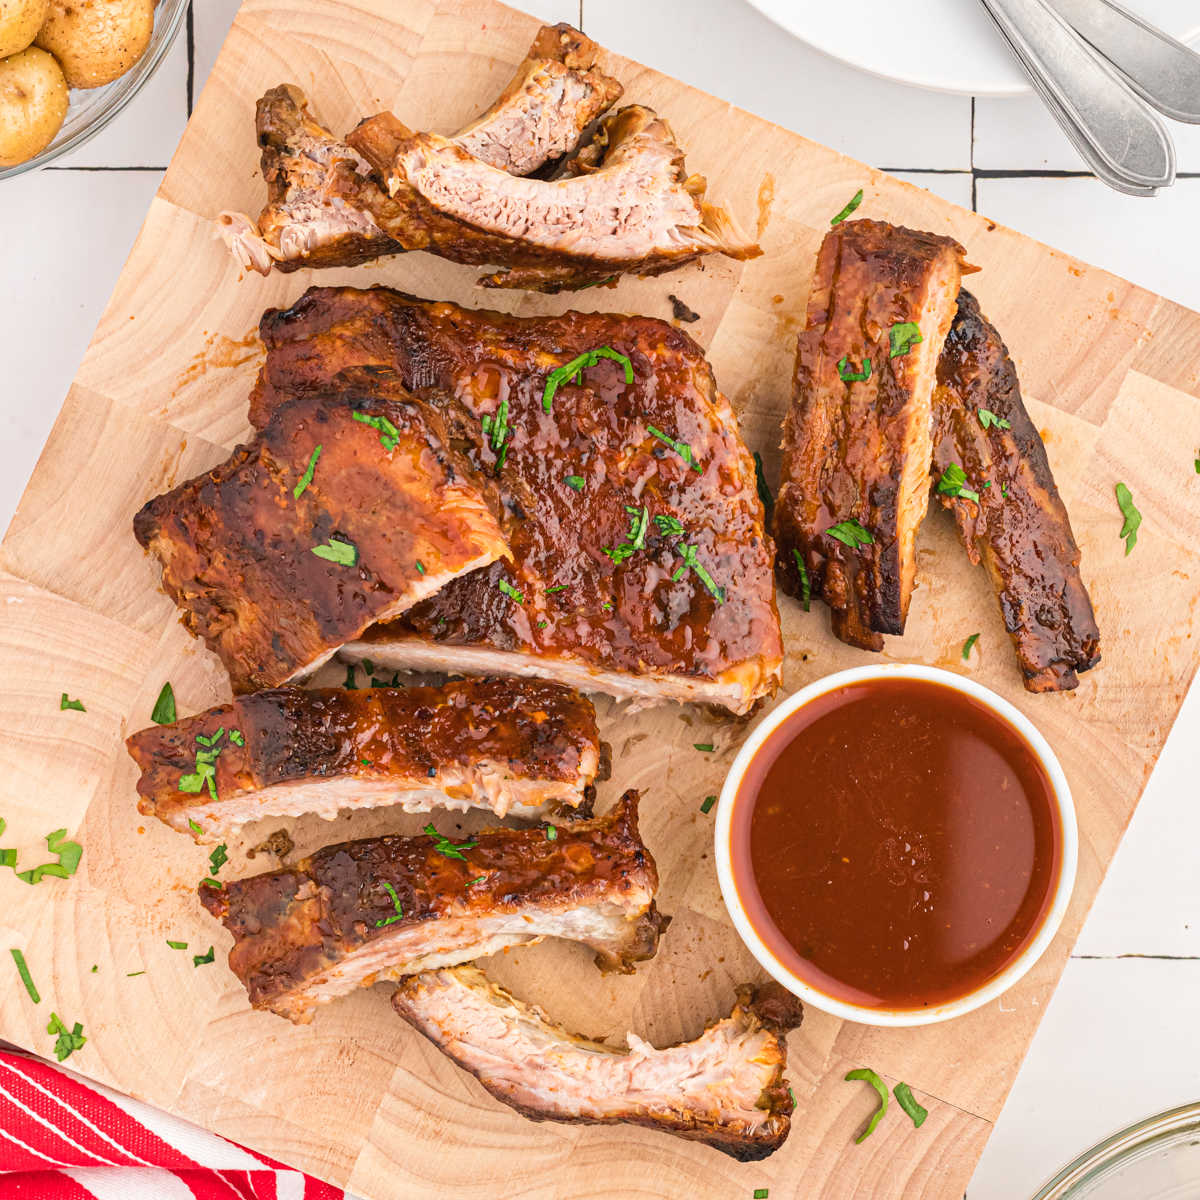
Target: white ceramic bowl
column 998, row 983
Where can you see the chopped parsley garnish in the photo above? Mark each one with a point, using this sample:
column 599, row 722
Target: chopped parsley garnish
column 551, row 833
column 26, row 978
column 851, row 534
column 793, row 1096
column 1133, row 518
column 1196, row 464
column 66, row 702
column 199, row 960
column 704, row 747
column 495, row 429
column 709, row 801
column 208, row 879
column 307, row 477
column 477, row 879
column 205, row 774
column 398, row 914
column 8, row 858
column 133, row 974
column 869, row 1076
column 1004, row 491
column 670, row 526
column 351, row 683
column 389, row 435
column 847, row 374
column 542, row 624
column 511, row 592
column 68, row 854
column 903, row 337
column 764, row 492
column 164, row 707
column 681, row 448
column 761, row 1193
column 338, row 551
column 195, row 827
column 969, row 645
column 576, row 367
column 237, row 737
column 635, row 539
column 908, row 1102
column 366, row 762
column 989, row 420
column 805, row 584
column 558, row 587
column 445, row 847
column 575, row 481
column 420, row 567
column 854, row 203
column 691, row 559
column 954, row 483
column 176, row 945
column 217, row 859
column 68, row 1041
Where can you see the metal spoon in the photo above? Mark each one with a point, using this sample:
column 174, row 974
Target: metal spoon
column 1119, row 137
column 1160, row 69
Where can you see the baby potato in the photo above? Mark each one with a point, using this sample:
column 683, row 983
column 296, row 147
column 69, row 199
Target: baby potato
column 19, row 22
column 96, row 41
column 33, row 103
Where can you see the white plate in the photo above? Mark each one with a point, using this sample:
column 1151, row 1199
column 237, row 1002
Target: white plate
column 947, row 45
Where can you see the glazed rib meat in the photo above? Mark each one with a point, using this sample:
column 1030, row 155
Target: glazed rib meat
column 341, row 511
column 323, row 205
column 635, row 211
column 1018, row 528
column 859, row 450
column 383, row 908
column 685, row 612
column 725, row 1089
column 516, row 747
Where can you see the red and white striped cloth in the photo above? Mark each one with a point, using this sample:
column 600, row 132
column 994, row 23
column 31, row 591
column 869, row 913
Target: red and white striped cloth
column 65, row 1139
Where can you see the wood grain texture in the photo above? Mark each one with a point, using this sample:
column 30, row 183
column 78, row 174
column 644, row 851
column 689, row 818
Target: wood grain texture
column 1112, row 375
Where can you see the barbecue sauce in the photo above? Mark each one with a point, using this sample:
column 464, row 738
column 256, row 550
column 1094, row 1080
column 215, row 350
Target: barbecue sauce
column 896, row 843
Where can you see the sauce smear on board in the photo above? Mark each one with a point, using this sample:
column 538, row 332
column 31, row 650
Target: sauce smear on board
column 896, row 843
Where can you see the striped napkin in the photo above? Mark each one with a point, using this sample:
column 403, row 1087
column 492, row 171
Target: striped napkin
column 64, row 1139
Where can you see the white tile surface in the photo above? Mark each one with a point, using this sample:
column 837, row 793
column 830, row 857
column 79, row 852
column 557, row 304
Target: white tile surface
column 1121, row 1038
column 730, row 49
column 1154, row 242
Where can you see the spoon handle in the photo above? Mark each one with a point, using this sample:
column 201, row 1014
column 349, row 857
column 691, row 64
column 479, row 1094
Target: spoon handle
column 1160, row 69
column 1119, row 136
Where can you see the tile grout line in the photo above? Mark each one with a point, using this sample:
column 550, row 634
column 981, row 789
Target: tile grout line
column 191, row 55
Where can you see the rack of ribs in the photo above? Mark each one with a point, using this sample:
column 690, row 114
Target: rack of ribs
column 640, row 566
column 857, row 439
column 342, row 511
column 1017, row 526
column 325, row 208
column 515, row 747
column 725, row 1089
column 630, row 208
column 386, row 907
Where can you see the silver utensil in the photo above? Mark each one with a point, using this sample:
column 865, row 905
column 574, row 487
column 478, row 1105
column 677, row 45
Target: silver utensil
column 1115, row 131
column 1161, row 70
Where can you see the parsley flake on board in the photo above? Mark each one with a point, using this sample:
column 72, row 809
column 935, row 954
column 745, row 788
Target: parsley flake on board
column 869, row 1076
column 163, row 712
column 199, row 960
column 704, row 747
column 68, row 1040
column 851, row 533
column 847, row 374
column 854, row 203
column 445, row 847
column 208, row 879
column 903, row 337
column 761, row 1193
column 989, row 420
column 66, row 702
column 399, row 910
column 351, row 683
column 576, row 367
column 195, row 827
column 389, row 435
column 805, row 585
column 681, row 448
column 337, row 551
column 764, row 492
column 68, row 854
column 969, row 645
column 176, row 945
column 1133, row 518
column 8, row 858
column 954, row 483
column 26, row 978
column 217, row 859
column 908, row 1102
column 709, row 801
column 511, row 592
column 307, row 477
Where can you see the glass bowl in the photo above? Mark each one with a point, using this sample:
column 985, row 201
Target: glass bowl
column 91, row 109
column 1156, row 1159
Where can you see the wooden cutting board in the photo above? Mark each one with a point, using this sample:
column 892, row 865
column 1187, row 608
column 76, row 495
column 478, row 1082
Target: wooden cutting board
column 1111, row 374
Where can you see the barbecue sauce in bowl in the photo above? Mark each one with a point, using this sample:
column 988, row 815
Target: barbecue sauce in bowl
column 895, row 843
